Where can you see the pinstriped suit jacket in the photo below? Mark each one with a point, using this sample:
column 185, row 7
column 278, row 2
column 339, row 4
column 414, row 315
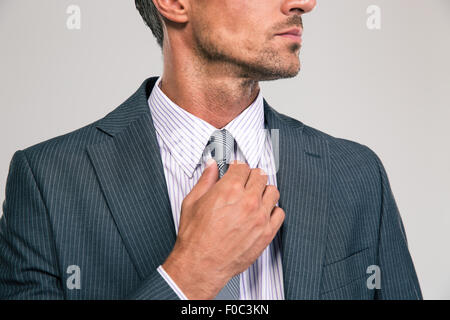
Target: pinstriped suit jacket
column 97, row 198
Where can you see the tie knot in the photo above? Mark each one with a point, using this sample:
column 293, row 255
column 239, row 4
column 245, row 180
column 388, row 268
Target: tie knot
column 221, row 146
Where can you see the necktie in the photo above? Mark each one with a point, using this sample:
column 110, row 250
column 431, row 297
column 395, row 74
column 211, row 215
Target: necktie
column 221, row 145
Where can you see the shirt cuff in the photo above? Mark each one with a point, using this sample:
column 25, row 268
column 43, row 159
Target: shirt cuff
column 171, row 283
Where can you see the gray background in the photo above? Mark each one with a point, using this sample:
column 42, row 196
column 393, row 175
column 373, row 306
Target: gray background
column 387, row 89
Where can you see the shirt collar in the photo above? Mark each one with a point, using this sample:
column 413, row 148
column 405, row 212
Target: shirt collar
column 186, row 135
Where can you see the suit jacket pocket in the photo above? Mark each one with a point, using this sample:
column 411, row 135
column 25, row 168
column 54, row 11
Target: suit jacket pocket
column 348, row 273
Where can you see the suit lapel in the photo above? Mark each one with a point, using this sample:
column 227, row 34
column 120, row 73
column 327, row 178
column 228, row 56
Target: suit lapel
column 303, row 178
column 129, row 168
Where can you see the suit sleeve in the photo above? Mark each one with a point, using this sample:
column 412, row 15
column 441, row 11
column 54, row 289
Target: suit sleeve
column 28, row 266
column 398, row 276
column 28, row 258
column 158, row 287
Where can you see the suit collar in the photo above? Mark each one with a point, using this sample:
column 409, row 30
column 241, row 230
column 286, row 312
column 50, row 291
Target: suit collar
column 134, row 108
column 130, row 172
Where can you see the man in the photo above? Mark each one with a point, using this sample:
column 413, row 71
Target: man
column 149, row 202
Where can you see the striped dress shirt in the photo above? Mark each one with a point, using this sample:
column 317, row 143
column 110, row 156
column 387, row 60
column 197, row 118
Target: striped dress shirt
column 182, row 139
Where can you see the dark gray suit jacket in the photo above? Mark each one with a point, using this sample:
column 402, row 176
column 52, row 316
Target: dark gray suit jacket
column 97, row 198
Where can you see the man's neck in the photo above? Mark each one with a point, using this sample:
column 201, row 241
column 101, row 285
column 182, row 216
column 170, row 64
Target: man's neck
column 208, row 92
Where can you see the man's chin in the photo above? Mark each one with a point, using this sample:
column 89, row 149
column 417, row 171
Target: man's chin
column 278, row 67
column 279, row 73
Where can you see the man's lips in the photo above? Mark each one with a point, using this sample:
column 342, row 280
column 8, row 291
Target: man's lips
column 293, row 34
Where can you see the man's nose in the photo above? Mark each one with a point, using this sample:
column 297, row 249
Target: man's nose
column 303, row 6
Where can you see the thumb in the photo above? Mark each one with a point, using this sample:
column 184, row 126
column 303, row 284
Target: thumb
column 207, row 180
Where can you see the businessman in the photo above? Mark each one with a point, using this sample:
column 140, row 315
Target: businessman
column 196, row 188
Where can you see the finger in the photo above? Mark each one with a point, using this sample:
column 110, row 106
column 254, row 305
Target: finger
column 270, row 198
column 276, row 220
column 256, row 182
column 237, row 171
column 206, row 182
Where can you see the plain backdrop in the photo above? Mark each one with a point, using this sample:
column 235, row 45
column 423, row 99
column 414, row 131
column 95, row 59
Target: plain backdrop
column 388, row 89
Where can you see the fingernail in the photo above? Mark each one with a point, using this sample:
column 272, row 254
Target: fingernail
column 209, row 162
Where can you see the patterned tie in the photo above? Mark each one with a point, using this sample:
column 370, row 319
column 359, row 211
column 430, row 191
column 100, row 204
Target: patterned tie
column 221, row 145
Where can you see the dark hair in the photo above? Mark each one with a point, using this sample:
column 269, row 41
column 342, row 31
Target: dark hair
column 152, row 18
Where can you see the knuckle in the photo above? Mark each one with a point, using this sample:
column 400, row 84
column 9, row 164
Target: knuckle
column 185, row 204
column 240, row 165
column 282, row 213
column 234, row 188
column 261, row 220
column 244, row 165
column 251, row 202
column 258, row 171
column 274, row 191
column 262, row 176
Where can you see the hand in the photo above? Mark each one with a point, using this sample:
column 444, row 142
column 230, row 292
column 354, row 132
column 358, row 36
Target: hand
column 225, row 225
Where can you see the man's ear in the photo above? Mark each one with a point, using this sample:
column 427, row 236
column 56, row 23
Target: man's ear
column 173, row 10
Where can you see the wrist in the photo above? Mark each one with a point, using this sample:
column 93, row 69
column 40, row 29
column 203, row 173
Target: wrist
column 194, row 281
